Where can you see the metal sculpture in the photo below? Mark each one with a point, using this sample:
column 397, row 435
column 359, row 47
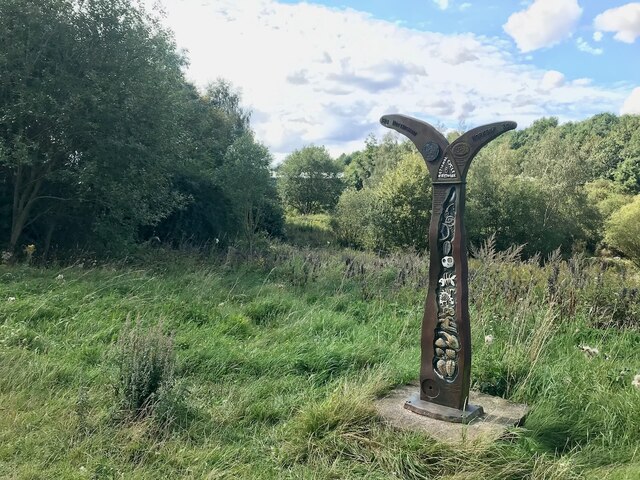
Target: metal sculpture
column 446, row 337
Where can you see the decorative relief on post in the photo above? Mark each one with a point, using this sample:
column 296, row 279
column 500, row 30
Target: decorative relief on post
column 446, row 169
column 446, row 343
column 431, row 151
column 460, row 149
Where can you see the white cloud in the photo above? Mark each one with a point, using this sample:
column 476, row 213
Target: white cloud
column 442, row 4
column 544, row 23
column 597, row 36
column 631, row 105
column 314, row 74
column 464, row 6
column 551, row 80
column 624, row 21
column 584, row 46
column 582, row 82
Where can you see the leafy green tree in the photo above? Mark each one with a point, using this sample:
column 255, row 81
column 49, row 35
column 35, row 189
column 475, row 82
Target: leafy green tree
column 627, row 137
column 89, row 95
column 247, row 163
column 525, row 211
column 368, row 166
column 309, row 180
column 528, row 136
column 361, row 165
column 211, row 124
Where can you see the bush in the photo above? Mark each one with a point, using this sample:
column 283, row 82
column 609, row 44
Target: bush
column 403, row 206
column 528, row 211
column 353, row 218
column 623, row 230
column 393, row 214
column 146, row 360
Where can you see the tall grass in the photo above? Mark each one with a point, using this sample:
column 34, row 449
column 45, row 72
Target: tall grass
column 280, row 354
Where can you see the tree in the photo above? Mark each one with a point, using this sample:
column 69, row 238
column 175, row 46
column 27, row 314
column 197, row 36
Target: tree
column 309, row 180
column 627, row 171
column 89, row 94
column 368, row 166
column 247, row 163
column 607, row 196
column 211, row 123
column 220, row 159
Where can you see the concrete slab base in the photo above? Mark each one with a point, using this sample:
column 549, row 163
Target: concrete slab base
column 440, row 412
column 499, row 416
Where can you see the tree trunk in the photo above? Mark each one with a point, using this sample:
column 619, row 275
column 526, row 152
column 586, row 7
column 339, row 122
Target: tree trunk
column 47, row 241
column 22, row 205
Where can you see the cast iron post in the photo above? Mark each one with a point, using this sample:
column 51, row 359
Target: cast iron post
column 446, row 337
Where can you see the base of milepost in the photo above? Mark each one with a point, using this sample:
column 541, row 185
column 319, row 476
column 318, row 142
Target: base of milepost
column 440, row 412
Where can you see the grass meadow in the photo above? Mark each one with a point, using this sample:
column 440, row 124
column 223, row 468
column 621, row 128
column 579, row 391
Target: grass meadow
column 277, row 359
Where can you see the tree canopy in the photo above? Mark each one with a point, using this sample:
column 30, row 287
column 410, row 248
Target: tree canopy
column 547, row 186
column 103, row 141
column 310, row 180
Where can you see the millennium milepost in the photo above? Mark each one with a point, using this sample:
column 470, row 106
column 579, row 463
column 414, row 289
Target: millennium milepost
column 446, row 336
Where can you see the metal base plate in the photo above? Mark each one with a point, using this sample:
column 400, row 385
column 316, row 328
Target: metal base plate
column 440, row 412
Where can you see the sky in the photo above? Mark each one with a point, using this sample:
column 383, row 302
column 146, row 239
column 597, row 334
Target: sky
column 323, row 72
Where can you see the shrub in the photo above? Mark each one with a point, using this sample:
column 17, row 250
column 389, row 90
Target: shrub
column 353, row 219
column 403, row 206
column 623, row 230
column 146, row 360
column 393, row 214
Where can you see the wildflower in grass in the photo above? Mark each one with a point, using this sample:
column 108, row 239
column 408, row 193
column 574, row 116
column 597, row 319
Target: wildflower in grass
column 636, row 381
column 589, row 351
column 221, row 304
column 60, row 277
column 11, row 299
column 488, row 339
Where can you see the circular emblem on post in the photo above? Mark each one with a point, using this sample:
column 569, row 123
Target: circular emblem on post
column 460, row 149
column 430, row 388
column 431, row 151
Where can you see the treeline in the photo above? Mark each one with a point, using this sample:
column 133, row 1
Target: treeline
column 103, row 143
column 573, row 186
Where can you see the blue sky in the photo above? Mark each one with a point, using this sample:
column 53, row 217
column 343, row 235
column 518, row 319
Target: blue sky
column 323, row 72
column 487, row 17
